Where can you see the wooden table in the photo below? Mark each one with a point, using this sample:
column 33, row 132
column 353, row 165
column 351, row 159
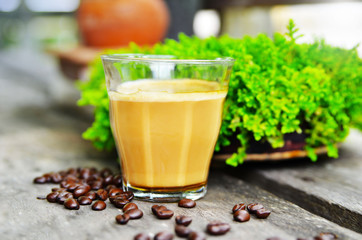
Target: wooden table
column 41, row 132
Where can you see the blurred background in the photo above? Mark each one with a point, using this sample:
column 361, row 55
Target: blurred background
column 69, row 33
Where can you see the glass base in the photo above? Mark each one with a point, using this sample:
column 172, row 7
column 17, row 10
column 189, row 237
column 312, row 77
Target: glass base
column 167, row 195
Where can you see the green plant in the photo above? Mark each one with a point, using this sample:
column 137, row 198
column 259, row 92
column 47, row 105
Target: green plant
column 277, row 87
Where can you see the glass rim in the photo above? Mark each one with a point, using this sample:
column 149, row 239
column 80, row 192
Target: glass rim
column 165, row 59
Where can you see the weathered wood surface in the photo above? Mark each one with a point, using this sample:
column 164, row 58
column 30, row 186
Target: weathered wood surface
column 331, row 188
column 38, row 136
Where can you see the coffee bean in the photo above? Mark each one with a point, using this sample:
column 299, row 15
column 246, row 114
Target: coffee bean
column 262, row 213
column 187, row 203
column 41, row 197
column 85, row 173
column 113, row 192
column 48, row 177
column 63, row 196
column 253, row 207
column 108, row 180
column 56, row 178
column 122, row 218
column 109, row 187
column 155, row 208
column 196, row 236
column 119, row 202
column 164, row 214
column 81, row 190
column 72, row 186
column 326, row 236
column 95, row 185
column 240, row 206
column 40, row 180
column 91, row 195
column 134, row 213
column 52, row 197
column 183, row 220
column 102, row 194
column 129, row 206
column 182, row 231
column 105, row 172
column 83, row 200
column 71, row 204
column 99, row 205
column 142, row 236
column 163, row 236
column 117, row 180
column 241, row 216
column 217, row 228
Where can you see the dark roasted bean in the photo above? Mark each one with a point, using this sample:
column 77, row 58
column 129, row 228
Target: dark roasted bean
column 106, row 172
column 122, row 219
column 217, row 228
column 164, row 214
column 262, row 213
column 163, row 236
column 119, row 203
column 91, row 195
column 109, row 187
column 142, row 236
column 186, row 203
column 72, row 186
column 63, row 196
column 48, row 177
column 130, row 206
column 134, row 213
column 52, row 197
column 117, row 180
column 113, row 192
column 99, row 205
column 241, row 216
column 182, row 231
column 108, row 180
column 196, row 236
column 102, row 194
column 85, row 173
column 83, row 200
column 183, row 220
column 58, row 189
column 95, row 185
column 156, row 208
column 240, row 206
column 40, row 180
column 56, row 178
column 81, row 190
column 71, row 204
column 252, row 207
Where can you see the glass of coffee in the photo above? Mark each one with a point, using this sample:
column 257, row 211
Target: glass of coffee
column 165, row 116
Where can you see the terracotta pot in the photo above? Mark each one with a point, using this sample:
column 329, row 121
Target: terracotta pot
column 115, row 23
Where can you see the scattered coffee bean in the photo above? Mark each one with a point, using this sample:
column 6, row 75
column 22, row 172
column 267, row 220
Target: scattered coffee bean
column 40, row 180
column 129, row 206
column 262, row 213
column 71, row 204
column 196, row 236
column 183, row 220
column 108, row 180
column 56, row 178
column 253, row 207
column 164, row 214
column 81, row 190
column 122, row 218
column 106, row 172
column 117, row 180
column 96, row 185
column 155, row 208
column 102, row 194
column 163, row 236
column 58, row 189
column 186, row 203
column 91, row 195
column 113, row 192
column 134, row 213
column 182, row 231
column 72, row 186
column 63, row 196
column 52, row 197
column 83, row 200
column 241, row 216
column 217, row 228
column 119, row 202
column 99, row 205
column 109, row 187
column 142, row 236
column 240, row 206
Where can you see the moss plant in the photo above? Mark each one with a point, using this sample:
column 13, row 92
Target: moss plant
column 277, row 87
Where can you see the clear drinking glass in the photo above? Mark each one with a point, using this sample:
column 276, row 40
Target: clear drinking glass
column 165, row 116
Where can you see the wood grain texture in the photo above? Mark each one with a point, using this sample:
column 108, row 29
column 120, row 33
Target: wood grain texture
column 331, row 188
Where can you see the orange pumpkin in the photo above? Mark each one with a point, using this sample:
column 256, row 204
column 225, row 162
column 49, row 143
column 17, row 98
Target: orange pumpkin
column 114, row 23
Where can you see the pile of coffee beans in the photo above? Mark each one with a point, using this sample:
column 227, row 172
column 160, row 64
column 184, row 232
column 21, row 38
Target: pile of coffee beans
column 241, row 215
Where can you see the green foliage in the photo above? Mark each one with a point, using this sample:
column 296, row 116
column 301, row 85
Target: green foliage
column 277, row 86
